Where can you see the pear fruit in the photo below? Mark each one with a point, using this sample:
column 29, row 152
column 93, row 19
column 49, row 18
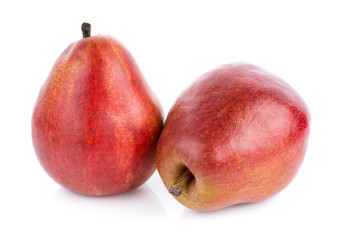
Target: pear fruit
column 238, row 134
column 96, row 123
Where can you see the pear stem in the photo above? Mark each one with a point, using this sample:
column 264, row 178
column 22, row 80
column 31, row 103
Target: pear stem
column 86, row 29
column 178, row 186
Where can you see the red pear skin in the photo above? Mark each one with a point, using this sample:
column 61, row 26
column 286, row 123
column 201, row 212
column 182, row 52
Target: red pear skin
column 96, row 123
column 237, row 135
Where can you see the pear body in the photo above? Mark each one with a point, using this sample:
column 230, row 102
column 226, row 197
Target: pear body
column 241, row 131
column 96, row 123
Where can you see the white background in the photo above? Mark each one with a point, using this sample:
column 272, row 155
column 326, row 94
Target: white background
column 173, row 43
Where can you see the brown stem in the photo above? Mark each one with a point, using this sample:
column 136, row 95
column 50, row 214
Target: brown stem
column 86, row 29
column 178, row 186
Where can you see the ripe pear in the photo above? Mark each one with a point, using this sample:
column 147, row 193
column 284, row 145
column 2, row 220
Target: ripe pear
column 96, row 123
column 238, row 134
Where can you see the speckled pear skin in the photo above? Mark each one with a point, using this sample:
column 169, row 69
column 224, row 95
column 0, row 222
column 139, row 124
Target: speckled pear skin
column 240, row 130
column 96, row 123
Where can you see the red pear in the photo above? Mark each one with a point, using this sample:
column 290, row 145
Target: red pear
column 238, row 134
column 96, row 123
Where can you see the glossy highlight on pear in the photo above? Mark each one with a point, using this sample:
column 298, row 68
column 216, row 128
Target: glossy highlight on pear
column 96, row 123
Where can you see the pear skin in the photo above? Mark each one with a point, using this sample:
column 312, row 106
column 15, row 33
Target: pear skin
column 238, row 134
column 96, row 123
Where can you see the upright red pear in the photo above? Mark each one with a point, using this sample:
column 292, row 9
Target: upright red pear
column 238, row 134
column 96, row 123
